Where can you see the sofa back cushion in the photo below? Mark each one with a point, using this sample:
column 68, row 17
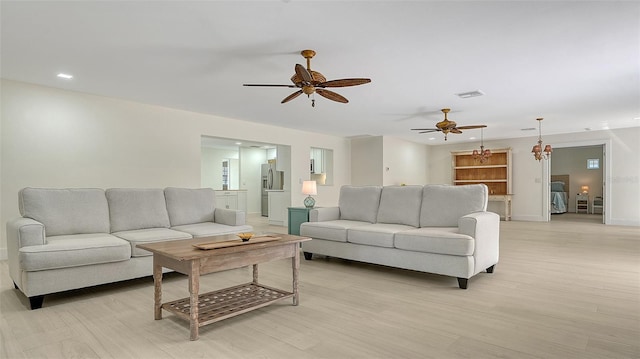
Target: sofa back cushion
column 66, row 211
column 137, row 208
column 189, row 206
column 400, row 205
column 359, row 203
column 443, row 205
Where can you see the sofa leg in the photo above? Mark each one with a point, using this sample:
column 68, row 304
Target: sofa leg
column 307, row 255
column 462, row 283
column 490, row 269
column 36, row 301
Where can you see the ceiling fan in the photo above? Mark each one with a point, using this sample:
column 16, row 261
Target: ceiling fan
column 446, row 126
column 310, row 82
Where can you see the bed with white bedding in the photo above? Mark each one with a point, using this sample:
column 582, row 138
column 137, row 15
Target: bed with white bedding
column 559, row 193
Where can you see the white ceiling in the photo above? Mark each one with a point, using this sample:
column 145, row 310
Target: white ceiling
column 577, row 64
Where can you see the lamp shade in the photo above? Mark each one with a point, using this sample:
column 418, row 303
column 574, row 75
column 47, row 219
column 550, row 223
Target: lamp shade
column 309, row 188
column 585, row 189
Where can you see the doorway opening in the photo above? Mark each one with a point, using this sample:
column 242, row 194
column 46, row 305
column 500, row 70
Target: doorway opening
column 577, row 181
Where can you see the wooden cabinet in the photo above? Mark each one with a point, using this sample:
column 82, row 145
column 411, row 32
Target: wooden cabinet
column 495, row 172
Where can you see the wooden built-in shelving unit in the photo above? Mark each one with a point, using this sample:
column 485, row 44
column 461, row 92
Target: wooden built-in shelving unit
column 495, row 172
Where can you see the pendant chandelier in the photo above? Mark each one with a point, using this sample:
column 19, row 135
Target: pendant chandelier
column 483, row 155
column 537, row 149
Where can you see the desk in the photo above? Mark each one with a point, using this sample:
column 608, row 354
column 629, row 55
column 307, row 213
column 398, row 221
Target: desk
column 506, row 198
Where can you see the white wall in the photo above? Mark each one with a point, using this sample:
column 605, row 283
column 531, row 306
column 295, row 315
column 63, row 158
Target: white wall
column 528, row 202
column 251, row 160
column 385, row 160
column 367, row 161
column 57, row 138
column 211, row 168
column 404, row 162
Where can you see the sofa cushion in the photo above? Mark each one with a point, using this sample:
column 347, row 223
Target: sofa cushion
column 207, row 229
column 66, row 211
column 329, row 230
column 444, row 240
column 443, row 205
column 149, row 235
column 400, row 205
column 137, row 208
column 377, row 234
column 74, row 251
column 188, row 206
column 359, row 203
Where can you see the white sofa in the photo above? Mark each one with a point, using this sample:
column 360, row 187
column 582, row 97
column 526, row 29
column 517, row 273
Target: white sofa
column 438, row 229
column 74, row 238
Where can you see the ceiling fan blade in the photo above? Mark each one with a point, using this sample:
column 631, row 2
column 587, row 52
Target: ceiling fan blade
column 344, row 82
column 292, row 96
column 268, row 85
column 471, row 127
column 303, row 74
column 428, row 131
column 455, row 130
column 331, row 95
column 425, row 129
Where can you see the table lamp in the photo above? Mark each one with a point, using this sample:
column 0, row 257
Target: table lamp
column 585, row 189
column 309, row 188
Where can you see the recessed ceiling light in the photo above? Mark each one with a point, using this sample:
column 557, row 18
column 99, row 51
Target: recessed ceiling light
column 469, row 94
column 65, row 76
column 431, row 138
column 472, row 138
column 238, row 143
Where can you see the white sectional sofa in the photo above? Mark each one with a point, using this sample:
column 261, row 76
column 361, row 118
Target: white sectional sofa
column 438, row 229
column 74, row 238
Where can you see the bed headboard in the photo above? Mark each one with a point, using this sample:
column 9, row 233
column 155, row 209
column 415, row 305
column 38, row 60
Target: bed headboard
column 562, row 178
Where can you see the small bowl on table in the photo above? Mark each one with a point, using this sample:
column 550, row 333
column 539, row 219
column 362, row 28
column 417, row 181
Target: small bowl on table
column 245, row 236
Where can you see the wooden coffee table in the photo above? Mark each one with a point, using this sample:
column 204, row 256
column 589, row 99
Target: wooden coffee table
column 185, row 257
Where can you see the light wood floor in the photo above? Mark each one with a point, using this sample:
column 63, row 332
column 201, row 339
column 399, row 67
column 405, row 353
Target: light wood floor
column 561, row 290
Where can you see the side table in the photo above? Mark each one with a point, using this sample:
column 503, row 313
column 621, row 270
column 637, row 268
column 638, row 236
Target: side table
column 582, row 203
column 297, row 216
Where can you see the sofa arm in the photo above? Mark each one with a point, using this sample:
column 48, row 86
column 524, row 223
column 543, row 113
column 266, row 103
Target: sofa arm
column 22, row 232
column 484, row 227
column 324, row 214
column 230, row 217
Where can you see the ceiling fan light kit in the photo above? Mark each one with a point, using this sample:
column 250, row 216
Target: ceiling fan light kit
column 538, row 153
column 446, row 126
column 311, row 82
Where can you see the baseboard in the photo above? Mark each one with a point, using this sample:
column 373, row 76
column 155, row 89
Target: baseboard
column 528, row 218
column 625, row 222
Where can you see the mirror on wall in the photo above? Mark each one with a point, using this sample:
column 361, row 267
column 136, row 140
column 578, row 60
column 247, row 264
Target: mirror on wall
column 321, row 166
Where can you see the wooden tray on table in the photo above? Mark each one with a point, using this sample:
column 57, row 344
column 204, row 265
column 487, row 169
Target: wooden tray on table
column 236, row 242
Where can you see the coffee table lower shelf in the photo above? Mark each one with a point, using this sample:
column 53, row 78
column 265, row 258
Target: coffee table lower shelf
column 226, row 303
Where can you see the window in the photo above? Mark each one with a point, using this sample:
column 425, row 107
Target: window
column 593, row 164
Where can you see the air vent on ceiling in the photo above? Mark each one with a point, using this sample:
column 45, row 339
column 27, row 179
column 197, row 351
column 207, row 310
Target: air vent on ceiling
column 469, row 94
column 528, row 129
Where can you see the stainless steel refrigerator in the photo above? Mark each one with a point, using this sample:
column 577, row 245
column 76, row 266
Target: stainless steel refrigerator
column 271, row 180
